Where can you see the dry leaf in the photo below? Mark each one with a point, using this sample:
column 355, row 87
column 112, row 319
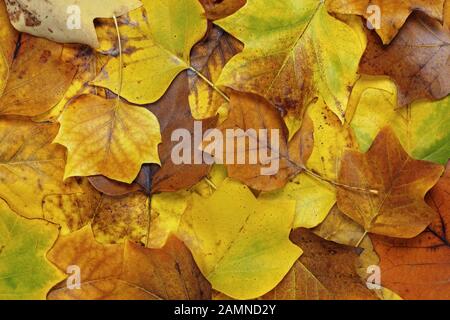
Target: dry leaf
column 108, row 137
column 418, row 268
column 325, row 271
column 128, row 271
column 397, row 208
column 65, row 21
column 393, row 13
column 423, row 75
column 308, row 54
column 36, row 63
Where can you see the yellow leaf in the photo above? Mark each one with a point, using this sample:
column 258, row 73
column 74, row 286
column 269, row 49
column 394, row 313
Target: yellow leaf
column 88, row 64
column 314, row 199
column 72, row 211
column 308, row 54
column 241, row 246
column 106, row 137
column 159, row 40
column 38, row 78
column 421, row 127
column 331, row 138
column 30, row 166
column 167, row 211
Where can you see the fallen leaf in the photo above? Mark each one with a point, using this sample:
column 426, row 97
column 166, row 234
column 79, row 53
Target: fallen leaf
column 209, row 57
column 241, row 246
column 87, row 63
column 418, row 268
column 263, row 162
column 108, row 137
column 9, row 38
column 314, row 199
column 421, row 127
column 37, row 63
column 398, row 208
column 308, row 54
column 423, row 75
column 218, row 9
column 339, row 228
column 159, row 39
column 116, row 219
column 31, row 167
column 393, row 13
column 325, row 271
column 111, row 187
column 63, row 20
column 331, row 138
column 173, row 113
column 167, row 209
column 127, row 271
column 72, row 211
column 26, row 272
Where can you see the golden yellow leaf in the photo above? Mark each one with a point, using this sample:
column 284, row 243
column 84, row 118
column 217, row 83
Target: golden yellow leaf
column 38, row 78
column 107, row 137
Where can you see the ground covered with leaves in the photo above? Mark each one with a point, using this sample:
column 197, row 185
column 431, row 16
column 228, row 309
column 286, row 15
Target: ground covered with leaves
column 93, row 204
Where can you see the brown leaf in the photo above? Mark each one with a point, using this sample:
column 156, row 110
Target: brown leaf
column 398, row 209
column 424, row 73
column 218, row 9
column 419, row 268
column 447, row 14
column 173, row 113
column 127, row 271
column 112, row 188
column 38, row 78
column 209, row 57
column 324, row 271
column 393, row 13
column 251, row 113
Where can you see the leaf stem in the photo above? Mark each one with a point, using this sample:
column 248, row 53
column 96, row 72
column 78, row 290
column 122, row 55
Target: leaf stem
column 149, row 214
column 361, row 239
column 335, row 183
column 209, row 82
column 120, row 60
